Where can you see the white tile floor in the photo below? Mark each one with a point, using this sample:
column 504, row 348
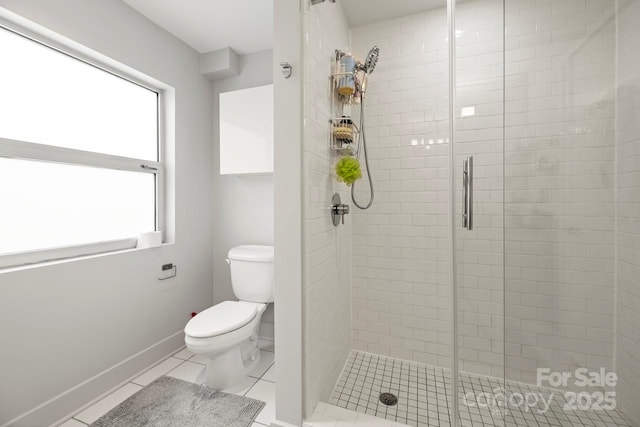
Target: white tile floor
column 423, row 399
column 326, row 415
column 259, row 384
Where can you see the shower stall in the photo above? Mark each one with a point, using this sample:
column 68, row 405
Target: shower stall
column 495, row 278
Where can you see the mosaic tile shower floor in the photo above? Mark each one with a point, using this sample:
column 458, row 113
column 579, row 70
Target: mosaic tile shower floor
column 424, row 392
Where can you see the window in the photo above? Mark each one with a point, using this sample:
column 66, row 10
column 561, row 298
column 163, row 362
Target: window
column 80, row 168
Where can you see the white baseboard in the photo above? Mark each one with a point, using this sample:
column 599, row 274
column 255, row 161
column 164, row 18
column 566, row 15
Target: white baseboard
column 64, row 405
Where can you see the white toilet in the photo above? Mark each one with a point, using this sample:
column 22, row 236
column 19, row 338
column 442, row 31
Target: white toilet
column 227, row 333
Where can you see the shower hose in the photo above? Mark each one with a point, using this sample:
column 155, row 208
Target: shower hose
column 363, row 140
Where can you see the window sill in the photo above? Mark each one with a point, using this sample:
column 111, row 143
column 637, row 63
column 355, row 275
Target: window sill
column 11, row 263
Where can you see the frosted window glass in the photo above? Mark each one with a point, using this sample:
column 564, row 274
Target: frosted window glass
column 50, row 98
column 48, row 205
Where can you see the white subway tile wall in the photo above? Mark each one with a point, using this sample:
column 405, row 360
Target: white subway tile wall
column 559, row 185
column 327, row 249
column 628, row 210
column 401, row 291
column 401, row 272
column 558, row 203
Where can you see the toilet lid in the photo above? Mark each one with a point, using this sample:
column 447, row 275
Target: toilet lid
column 221, row 318
column 254, row 253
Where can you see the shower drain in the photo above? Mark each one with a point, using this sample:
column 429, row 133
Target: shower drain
column 388, row 399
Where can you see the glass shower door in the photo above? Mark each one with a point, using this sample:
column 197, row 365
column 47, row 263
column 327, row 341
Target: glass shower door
column 560, row 208
column 478, row 153
column 545, row 158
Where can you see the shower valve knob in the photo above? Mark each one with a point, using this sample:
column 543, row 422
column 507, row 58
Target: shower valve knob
column 338, row 210
column 341, row 210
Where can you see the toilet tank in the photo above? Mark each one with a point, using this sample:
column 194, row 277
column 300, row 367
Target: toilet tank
column 252, row 273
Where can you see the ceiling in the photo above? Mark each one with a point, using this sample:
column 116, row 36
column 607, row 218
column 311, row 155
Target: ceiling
column 247, row 25
column 207, row 25
column 361, row 12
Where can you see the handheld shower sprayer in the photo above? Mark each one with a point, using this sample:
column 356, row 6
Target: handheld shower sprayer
column 367, row 68
column 370, row 61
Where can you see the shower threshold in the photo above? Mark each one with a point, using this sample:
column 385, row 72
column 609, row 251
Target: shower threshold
column 423, row 393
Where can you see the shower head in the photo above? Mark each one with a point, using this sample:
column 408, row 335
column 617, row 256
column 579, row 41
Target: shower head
column 367, row 68
column 370, row 61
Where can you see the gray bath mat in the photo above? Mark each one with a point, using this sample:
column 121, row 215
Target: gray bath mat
column 170, row 402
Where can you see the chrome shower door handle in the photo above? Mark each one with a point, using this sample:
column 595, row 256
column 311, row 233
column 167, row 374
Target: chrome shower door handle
column 465, row 190
column 467, row 196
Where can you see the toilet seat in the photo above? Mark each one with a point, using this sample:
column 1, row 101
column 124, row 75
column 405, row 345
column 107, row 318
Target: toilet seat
column 221, row 318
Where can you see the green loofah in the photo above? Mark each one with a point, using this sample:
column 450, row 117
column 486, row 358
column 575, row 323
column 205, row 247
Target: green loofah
column 348, row 170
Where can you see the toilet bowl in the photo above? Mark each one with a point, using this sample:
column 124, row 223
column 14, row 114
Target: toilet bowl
column 227, row 333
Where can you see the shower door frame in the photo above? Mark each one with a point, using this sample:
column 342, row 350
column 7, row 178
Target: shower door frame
column 453, row 268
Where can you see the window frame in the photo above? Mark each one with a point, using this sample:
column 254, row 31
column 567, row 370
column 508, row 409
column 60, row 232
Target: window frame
column 22, row 150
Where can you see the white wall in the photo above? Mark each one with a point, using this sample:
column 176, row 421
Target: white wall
column 288, row 192
column 242, row 205
column 628, row 211
column 65, row 323
column 327, row 249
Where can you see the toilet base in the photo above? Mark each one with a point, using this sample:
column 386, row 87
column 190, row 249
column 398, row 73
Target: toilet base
column 227, row 369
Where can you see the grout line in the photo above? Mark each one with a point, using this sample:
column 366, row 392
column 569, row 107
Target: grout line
column 262, row 375
column 265, row 373
column 197, row 363
column 252, row 386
